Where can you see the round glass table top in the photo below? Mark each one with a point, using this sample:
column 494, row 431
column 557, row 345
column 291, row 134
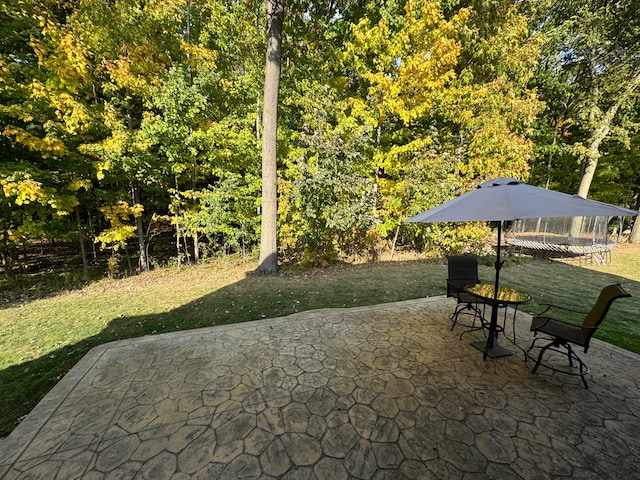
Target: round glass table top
column 505, row 294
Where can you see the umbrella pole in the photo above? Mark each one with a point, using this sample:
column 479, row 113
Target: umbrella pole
column 494, row 307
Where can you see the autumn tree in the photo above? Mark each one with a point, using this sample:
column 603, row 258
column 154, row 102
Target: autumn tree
column 41, row 172
column 448, row 98
column 405, row 67
column 151, row 112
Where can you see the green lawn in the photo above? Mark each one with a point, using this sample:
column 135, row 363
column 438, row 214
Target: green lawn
column 41, row 339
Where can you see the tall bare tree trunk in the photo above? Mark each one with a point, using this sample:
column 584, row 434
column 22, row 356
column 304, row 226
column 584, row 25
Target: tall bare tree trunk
column 268, row 262
column 634, row 237
column 592, row 155
column 144, row 261
column 83, row 249
column 196, row 248
column 635, row 232
column 600, row 133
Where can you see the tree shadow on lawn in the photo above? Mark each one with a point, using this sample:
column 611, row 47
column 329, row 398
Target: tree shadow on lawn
column 254, row 297
column 23, row 386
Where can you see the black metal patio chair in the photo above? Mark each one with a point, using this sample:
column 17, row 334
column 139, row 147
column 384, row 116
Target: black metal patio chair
column 563, row 334
column 463, row 270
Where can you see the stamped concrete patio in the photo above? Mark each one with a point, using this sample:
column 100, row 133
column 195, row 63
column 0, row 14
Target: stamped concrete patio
column 382, row 392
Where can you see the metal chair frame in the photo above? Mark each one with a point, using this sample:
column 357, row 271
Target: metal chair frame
column 463, row 270
column 563, row 334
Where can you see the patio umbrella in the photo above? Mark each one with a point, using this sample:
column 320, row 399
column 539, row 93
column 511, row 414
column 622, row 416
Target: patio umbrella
column 504, row 199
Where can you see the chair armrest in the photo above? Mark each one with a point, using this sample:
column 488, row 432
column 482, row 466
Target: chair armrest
column 538, row 323
column 566, row 309
column 454, row 287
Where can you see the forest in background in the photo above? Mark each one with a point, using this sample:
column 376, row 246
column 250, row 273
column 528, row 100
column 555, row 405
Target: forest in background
column 124, row 122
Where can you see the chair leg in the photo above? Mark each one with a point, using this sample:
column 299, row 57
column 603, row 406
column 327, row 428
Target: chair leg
column 544, row 349
column 571, row 355
column 531, row 347
column 583, row 375
column 477, row 315
column 461, row 308
column 583, row 367
column 454, row 316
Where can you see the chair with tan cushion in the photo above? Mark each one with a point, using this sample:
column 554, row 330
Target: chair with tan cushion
column 562, row 334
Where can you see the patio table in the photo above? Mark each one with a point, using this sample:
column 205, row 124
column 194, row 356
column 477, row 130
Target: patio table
column 507, row 296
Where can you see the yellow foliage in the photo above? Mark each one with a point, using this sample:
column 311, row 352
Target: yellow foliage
column 24, row 190
column 73, row 113
column 412, row 69
column 38, row 90
column 20, row 111
column 78, row 183
column 116, row 237
column 121, row 212
column 21, row 189
column 101, row 167
column 398, row 156
column 205, row 58
column 119, row 232
column 70, row 59
column 4, row 71
column 47, row 146
column 28, row 229
column 63, row 204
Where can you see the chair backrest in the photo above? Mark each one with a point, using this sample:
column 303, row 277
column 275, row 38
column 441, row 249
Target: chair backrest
column 463, row 270
column 599, row 310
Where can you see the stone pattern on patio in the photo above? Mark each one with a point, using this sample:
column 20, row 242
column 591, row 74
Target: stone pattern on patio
column 382, row 392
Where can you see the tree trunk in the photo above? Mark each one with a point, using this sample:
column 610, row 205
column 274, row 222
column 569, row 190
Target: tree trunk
column 178, row 234
column 7, row 257
column 602, row 129
column 600, row 133
column 550, row 157
column 196, row 248
column 635, row 232
column 144, row 261
column 268, row 262
column 592, row 154
column 83, row 249
column 258, row 122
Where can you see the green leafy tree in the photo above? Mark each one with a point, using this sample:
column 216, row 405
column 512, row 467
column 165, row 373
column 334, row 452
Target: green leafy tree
column 495, row 109
column 136, row 112
column 329, row 208
column 405, row 68
column 226, row 214
column 133, row 45
column 40, row 122
column 449, row 100
column 591, row 51
column 177, row 131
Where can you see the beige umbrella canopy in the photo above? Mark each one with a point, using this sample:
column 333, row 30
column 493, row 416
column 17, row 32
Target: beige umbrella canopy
column 510, row 199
